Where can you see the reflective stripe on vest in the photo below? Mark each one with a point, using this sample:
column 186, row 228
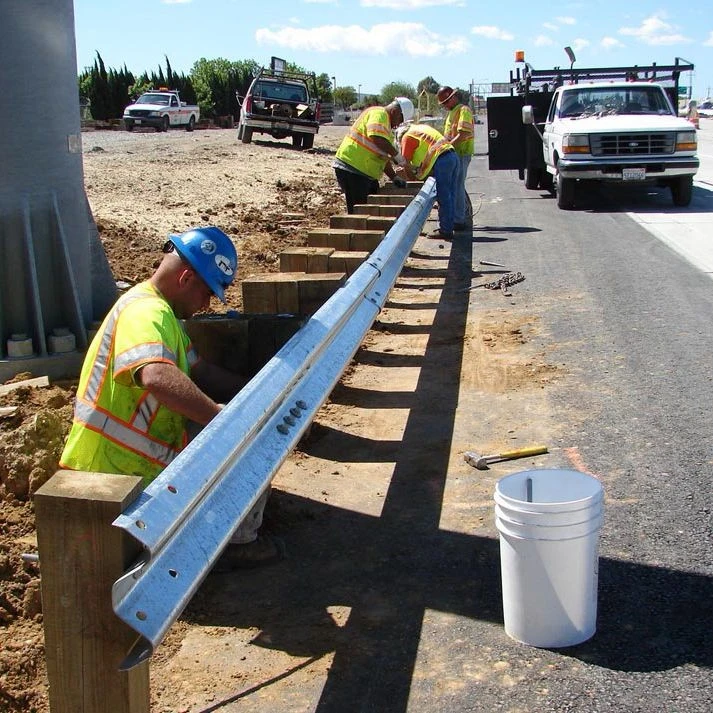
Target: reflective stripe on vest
column 435, row 147
column 134, row 434
column 362, row 153
column 125, row 435
column 451, row 129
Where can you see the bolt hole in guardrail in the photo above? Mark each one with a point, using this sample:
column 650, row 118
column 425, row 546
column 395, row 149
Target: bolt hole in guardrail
column 213, row 489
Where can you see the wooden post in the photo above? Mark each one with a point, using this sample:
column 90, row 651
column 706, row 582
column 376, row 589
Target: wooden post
column 81, row 556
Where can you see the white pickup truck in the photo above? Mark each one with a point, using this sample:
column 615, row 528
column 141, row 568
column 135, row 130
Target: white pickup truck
column 616, row 131
column 161, row 109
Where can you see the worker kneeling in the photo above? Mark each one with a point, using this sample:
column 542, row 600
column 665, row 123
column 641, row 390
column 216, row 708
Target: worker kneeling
column 142, row 381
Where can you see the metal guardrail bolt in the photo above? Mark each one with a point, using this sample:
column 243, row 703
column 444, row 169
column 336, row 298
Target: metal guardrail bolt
column 283, row 429
column 289, row 420
column 302, row 404
column 297, row 413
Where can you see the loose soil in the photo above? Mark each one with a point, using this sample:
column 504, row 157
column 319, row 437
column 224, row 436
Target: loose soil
column 266, row 196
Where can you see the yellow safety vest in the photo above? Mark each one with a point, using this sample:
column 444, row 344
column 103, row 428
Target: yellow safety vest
column 460, row 119
column 118, row 426
column 357, row 148
column 431, row 144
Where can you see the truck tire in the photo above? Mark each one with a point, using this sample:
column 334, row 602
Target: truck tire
column 240, row 132
column 682, row 191
column 565, row 192
column 165, row 123
column 247, row 136
column 297, row 141
column 307, row 141
column 191, row 124
column 129, row 125
column 546, row 182
column 532, row 178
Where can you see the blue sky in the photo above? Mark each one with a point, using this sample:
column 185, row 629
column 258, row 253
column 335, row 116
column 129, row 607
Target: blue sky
column 370, row 43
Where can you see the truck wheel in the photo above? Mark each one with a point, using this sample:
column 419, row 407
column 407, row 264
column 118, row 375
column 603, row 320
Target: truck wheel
column 247, row 136
column 165, row 123
column 532, row 178
column 546, row 182
column 308, row 141
column 240, row 132
column 191, row 124
column 297, row 141
column 682, row 191
column 565, row 192
column 129, row 125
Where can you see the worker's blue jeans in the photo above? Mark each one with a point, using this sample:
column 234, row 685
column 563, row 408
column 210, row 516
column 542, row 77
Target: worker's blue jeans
column 460, row 205
column 445, row 171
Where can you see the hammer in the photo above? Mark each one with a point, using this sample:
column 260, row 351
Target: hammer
column 481, row 462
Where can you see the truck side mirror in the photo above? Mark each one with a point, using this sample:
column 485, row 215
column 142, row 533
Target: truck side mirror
column 528, row 115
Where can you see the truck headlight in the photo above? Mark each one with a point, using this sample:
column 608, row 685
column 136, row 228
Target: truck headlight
column 154, row 113
column 575, row 143
column 686, row 141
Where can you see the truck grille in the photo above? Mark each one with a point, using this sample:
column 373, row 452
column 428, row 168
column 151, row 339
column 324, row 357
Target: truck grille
column 139, row 112
column 632, row 144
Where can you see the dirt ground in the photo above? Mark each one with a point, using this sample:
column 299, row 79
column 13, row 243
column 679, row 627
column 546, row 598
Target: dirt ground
column 266, row 196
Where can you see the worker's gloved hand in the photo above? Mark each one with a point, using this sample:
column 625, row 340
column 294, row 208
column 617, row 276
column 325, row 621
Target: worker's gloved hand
column 398, row 182
column 399, row 160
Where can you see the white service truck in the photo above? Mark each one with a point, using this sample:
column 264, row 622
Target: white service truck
column 594, row 125
column 161, row 109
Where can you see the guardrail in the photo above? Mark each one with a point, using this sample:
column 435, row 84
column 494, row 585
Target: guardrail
column 184, row 518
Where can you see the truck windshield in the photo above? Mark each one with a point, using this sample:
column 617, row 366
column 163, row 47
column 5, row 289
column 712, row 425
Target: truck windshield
column 577, row 103
column 153, row 99
column 271, row 91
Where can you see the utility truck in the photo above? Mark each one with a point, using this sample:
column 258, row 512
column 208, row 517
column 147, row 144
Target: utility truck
column 161, row 109
column 563, row 130
column 282, row 104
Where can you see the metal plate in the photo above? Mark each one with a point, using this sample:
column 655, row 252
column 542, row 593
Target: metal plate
column 634, row 174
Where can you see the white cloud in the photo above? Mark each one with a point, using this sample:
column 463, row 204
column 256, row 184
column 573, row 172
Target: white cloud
column 406, row 38
column 709, row 41
column 655, row 30
column 550, row 26
column 543, row 41
column 491, row 32
column 610, row 43
column 566, row 20
column 580, row 44
column 410, row 4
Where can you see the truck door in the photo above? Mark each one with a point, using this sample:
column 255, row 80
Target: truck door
column 506, row 133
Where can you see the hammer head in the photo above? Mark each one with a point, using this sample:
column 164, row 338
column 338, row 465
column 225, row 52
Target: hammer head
column 477, row 461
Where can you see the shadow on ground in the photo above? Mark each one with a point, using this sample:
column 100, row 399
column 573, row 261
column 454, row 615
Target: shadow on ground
column 390, row 569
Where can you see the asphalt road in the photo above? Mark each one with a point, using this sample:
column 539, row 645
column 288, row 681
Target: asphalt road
column 631, row 319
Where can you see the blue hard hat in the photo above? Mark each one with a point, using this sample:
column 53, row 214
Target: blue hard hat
column 211, row 253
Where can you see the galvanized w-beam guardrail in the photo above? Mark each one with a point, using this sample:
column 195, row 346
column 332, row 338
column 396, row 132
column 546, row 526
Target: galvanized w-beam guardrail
column 185, row 517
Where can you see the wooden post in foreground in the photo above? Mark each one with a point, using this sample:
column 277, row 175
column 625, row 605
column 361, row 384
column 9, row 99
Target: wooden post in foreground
column 81, row 556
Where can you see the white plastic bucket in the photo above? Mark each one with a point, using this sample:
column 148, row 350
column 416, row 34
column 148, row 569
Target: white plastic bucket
column 549, row 522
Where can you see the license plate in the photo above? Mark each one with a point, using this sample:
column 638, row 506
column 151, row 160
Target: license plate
column 137, row 121
column 634, row 174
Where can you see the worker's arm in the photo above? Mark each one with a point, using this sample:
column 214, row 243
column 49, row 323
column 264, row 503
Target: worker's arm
column 385, row 145
column 409, row 144
column 174, row 390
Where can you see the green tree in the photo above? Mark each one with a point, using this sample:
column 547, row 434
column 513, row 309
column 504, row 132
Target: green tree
column 427, row 84
column 324, row 87
column 345, row 96
column 397, row 89
column 216, row 82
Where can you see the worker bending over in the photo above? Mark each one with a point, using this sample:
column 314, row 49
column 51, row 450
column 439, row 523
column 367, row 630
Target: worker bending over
column 369, row 150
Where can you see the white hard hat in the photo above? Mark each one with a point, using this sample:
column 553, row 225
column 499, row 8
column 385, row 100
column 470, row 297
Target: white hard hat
column 406, row 106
